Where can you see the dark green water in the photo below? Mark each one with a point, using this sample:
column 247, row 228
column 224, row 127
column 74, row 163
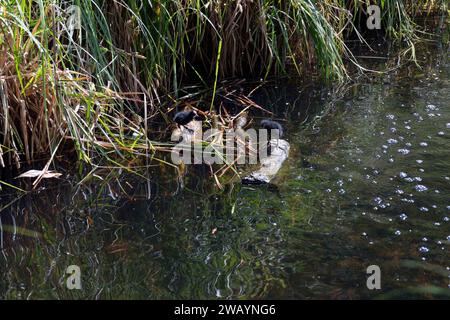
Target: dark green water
column 377, row 192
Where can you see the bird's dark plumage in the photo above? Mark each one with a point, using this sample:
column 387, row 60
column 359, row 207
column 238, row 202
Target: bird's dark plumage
column 272, row 125
column 184, row 117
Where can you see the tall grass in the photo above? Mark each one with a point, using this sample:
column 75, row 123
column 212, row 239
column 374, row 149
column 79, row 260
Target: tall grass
column 95, row 90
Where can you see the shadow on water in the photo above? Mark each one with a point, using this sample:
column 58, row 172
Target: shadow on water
column 367, row 183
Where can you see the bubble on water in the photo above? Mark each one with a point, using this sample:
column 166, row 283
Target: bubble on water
column 364, row 234
column 328, row 190
column 418, row 179
column 447, row 178
column 424, row 249
column 424, row 209
column 384, row 146
column 420, row 188
column 340, row 182
column 424, row 239
column 419, row 161
column 403, row 151
column 408, row 144
column 393, row 129
column 341, row 191
column 448, row 238
column 392, row 141
column 437, row 224
column 390, row 116
column 422, row 170
column 437, row 191
column 399, row 191
column 409, row 179
column 378, row 200
column 398, row 232
column 423, row 144
column 431, row 107
column 402, row 175
column 448, row 125
column 403, row 217
column 391, row 160
column 408, row 127
column 441, row 133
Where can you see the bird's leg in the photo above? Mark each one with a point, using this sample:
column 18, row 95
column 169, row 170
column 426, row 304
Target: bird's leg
column 269, row 148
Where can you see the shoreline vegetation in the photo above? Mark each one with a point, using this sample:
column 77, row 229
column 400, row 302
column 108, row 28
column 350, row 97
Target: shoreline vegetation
column 98, row 79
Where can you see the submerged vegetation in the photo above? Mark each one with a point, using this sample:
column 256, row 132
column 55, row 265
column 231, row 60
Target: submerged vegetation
column 92, row 76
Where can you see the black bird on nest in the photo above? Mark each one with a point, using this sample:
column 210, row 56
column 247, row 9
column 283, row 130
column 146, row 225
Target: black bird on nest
column 272, row 125
column 182, row 118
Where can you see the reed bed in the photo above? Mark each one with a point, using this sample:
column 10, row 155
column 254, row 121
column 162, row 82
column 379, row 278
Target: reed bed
column 89, row 78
